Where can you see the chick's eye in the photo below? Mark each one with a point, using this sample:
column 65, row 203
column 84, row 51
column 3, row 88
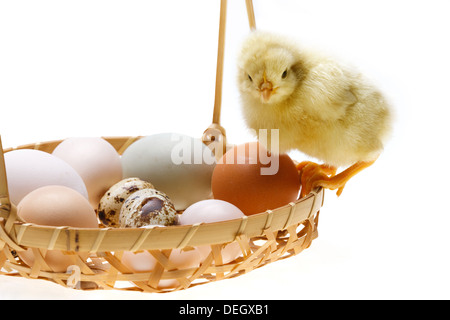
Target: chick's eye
column 250, row 78
column 284, row 75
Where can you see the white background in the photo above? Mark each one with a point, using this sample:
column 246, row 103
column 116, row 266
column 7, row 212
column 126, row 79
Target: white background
column 93, row 68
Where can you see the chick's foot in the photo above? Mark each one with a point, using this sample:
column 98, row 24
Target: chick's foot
column 310, row 172
column 337, row 181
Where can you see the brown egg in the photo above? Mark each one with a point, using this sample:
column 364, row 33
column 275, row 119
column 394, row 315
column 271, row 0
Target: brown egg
column 56, row 206
column 254, row 180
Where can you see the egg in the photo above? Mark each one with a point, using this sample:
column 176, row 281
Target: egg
column 55, row 259
column 255, row 180
column 95, row 160
column 176, row 164
column 210, row 210
column 144, row 261
column 147, row 207
column 28, row 170
column 110, row 204
column 56, row 206
column 213, row 210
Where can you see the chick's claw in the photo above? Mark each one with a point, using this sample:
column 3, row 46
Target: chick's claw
column 311, row 172
column 338, row 181
column 309, row 165
column 329, row 183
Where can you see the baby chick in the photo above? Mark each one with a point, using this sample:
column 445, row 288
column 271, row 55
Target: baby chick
column 322, row 108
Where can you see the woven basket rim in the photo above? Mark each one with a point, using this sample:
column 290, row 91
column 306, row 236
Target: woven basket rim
column 177, row 236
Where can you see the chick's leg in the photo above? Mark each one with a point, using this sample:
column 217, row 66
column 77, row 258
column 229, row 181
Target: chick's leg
column 338, row 181
column 327, row 169
column 308, row 169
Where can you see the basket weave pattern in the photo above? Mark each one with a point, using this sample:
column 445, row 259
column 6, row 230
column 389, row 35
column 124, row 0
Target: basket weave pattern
column 263, row 238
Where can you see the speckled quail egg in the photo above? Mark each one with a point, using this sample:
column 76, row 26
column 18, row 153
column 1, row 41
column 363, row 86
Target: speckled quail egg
column 112, row 201
column 147, row 207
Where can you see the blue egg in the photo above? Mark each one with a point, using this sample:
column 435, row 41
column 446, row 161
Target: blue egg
column 178, row 165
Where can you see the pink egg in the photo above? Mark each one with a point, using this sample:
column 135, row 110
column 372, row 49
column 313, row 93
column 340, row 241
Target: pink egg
column 95, row 160
column 213, row 210
column 58, row 261
column 56, row 206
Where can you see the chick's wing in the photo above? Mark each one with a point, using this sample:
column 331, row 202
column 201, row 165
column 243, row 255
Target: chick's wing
column 328, row 87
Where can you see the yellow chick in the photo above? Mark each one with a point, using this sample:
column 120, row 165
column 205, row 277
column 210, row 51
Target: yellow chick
column 322, row 108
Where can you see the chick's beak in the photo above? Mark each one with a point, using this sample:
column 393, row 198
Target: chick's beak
column 266, row 89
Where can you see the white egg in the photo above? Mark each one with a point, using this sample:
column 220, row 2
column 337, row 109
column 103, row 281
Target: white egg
column 27, row 170
column 179, row 258
column 176, row 164
column 210, row 210
column 95, row 160
column 213, row 210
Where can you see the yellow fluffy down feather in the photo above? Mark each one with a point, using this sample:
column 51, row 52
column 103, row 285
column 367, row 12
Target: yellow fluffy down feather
column 322, row 108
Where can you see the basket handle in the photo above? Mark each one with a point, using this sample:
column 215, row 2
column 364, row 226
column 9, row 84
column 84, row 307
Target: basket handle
column 215, row 135
column 251, row 14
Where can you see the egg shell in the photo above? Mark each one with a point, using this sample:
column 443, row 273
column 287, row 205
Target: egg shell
column 144, row 261
column 213, row 210
column 112, row 201
column 95, row 160
column 254, row 180
column 56, row 206
column 176, row 164
column 58, row 261
column 229, row 252
column 210, row 210
column 28, row 170
column 147, row 207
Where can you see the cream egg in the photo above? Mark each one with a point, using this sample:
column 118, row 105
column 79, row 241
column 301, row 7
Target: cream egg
column 176, row 164
column 110, row 204
column 213, row 210
column 56, row 206
column 27, row 170
column 95, row 160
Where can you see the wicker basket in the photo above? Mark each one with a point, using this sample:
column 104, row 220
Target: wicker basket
column 263, row 238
